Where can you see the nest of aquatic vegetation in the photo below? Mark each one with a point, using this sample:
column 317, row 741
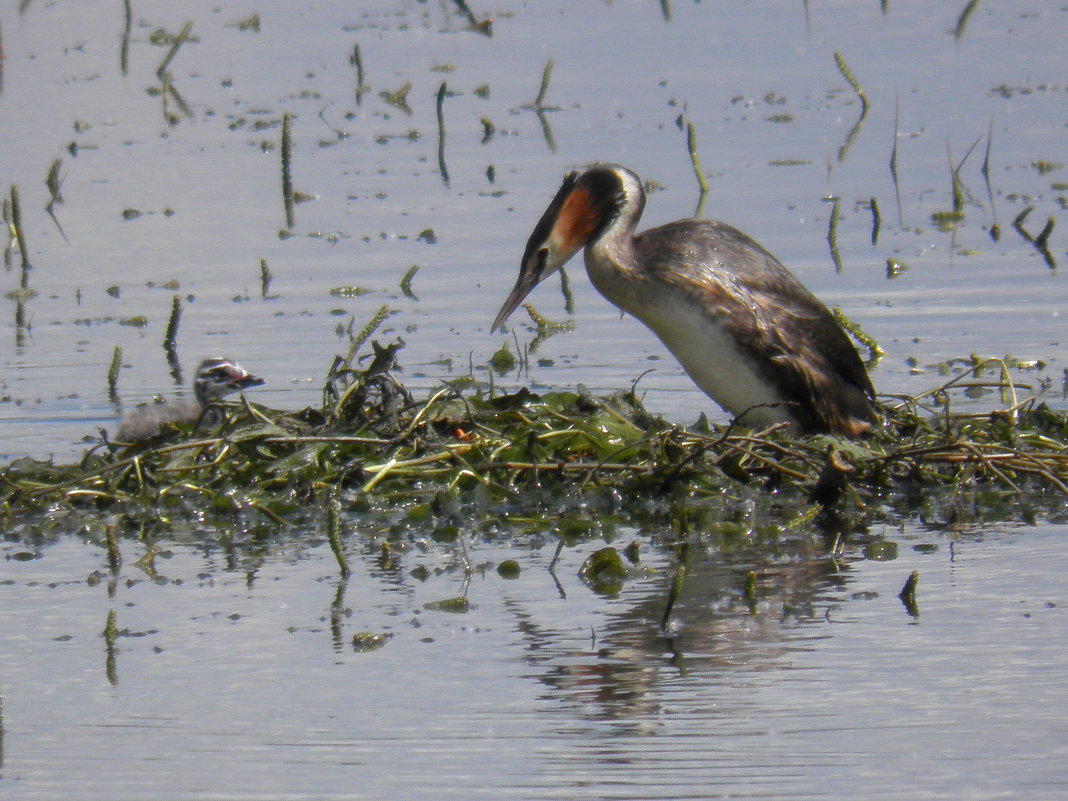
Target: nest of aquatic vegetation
column 371, row 448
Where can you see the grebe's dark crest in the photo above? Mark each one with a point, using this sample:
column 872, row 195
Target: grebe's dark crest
column 748, row 333
column 214, row 380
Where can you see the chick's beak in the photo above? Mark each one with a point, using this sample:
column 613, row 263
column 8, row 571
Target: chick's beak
column 239, row 378
column 247, row 381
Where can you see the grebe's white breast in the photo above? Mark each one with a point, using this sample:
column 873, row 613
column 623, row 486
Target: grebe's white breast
column 701, row 340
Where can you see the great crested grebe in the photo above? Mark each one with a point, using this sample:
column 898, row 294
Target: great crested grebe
column 214, row 380
column 743, row 327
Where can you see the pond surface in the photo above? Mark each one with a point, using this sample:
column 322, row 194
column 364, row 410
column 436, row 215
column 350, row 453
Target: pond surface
column 234, row 673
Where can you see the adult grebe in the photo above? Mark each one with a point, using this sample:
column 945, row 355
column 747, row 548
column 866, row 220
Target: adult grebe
column 214, row 380
column 743, row 327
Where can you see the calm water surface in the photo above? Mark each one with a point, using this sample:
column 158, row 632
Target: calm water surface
column 235, row 674
column 236, row 677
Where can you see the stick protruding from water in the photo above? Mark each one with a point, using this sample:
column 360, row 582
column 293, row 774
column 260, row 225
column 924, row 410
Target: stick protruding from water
column 287, row 175
column 170, row 338
column 20, row 236
column 179, row 40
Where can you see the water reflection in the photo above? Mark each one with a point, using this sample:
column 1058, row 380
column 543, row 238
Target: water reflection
column 540, row 109
column 628, row 674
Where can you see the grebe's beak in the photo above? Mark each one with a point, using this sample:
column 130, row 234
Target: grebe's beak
column 249, row 380
column 238, row 378
column 530, row 275
column 553, row 242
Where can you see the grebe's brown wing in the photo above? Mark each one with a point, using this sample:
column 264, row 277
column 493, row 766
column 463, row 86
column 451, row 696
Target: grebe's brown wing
column 771, row 315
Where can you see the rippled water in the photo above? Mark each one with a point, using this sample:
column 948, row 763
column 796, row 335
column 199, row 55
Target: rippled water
column 236, row 677
column 235, row 674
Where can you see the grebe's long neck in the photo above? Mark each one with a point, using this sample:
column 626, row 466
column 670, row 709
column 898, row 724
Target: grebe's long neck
column 612, row 260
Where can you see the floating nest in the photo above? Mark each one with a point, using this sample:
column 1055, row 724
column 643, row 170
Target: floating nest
column 467, row 453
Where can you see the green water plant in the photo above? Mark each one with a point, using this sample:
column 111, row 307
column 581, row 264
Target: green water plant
column 854, row 84
column 468, row 453
column 19, row 233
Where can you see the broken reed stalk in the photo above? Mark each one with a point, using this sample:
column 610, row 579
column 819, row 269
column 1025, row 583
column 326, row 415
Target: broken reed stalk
column 984, row 169
column 546, row 77
column 444, row 170
column 751, row 596
column 124, row 47
column 847, row 144
column 908, row 593
column 1018, row 221
column 957, row 186
column 357, row 61
column 165, row 94
column 472, row 20
column 853, row 82
column 114, row 556
column 676, row 585
column 178, row 42
column 54, row 182
column 893, row 166
column 406, row 282
column 110, row 629
column 691, row 146
column 265, row 278
column 832, row 235
column 110, row 635
column 333, row 535
column 287, row 176
column 113, row 370
column 962, row 20
column 995, row 227
column 1042, row 239
column 147, row 563
column 442, row 90
column 20, row 236
column 171, row 337
column 876, row 220
column 179, row 101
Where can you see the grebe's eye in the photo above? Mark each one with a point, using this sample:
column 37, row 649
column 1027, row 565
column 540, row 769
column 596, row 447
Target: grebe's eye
column 543, row 256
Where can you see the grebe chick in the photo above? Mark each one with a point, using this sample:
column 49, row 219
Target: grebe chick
column 748, row 333
column 214, row 380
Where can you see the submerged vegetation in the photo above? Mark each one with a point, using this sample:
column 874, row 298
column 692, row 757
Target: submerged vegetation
column 467, row 455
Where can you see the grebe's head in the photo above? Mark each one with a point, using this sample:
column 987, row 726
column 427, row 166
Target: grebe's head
column 217, row 378
column 585, row 207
